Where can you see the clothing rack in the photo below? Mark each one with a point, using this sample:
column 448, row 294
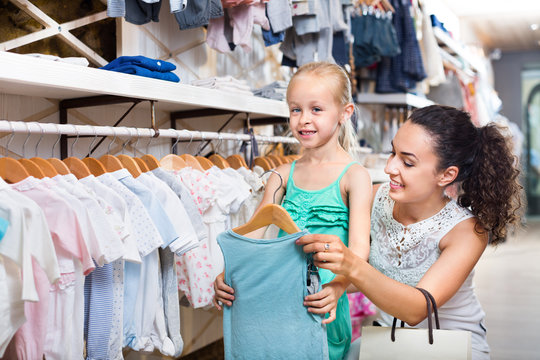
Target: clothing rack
column 122, row 131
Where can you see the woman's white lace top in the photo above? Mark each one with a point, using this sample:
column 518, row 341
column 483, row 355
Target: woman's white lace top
column 405, row 254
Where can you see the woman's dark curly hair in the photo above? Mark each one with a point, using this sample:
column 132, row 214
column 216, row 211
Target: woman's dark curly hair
column 487, row 168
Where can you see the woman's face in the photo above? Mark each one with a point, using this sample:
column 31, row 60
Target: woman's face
column 412, row 166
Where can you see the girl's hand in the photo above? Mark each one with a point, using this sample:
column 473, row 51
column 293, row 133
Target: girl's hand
column 329, row 252
column 325, row 301
column 223, row 292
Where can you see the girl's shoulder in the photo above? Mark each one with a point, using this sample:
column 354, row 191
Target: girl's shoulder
column 284, row 171
column 356, row 176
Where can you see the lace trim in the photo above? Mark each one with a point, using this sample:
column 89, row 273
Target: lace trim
column 409, row 246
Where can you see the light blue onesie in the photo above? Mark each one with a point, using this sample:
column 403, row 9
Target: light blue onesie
column 268, row 319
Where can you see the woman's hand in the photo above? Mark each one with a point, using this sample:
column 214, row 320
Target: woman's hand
column 329, row 252
column 223, row 292
column 325, row 301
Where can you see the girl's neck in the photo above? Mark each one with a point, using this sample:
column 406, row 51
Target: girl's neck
column 325, row 155
column 411, row 213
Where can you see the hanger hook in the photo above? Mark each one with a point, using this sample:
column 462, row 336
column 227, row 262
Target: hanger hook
column 76, row 139
column 280, row 182
column 39, row 140
column 124, row 144
column 10, row 138
column 25, row 140
column 114, row 138
column 136, row 143
column 220, row 141
column 57, row 140
column 93, row 141
column 148, row 144
column 176, row 142
column 201, row 145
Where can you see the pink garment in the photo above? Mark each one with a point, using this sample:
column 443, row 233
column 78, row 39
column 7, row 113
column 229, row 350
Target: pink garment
column 69, row 245
column 194, row 268
column 243, row 18
column 360, row 307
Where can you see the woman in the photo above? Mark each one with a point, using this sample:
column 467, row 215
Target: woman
column 422, row 238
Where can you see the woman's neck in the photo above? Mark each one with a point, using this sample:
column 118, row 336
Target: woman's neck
column 411, row 213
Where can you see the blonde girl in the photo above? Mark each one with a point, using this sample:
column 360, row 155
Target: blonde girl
column 325, row 191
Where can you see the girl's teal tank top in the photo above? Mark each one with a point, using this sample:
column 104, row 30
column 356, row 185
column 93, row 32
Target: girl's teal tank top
column 324, row 212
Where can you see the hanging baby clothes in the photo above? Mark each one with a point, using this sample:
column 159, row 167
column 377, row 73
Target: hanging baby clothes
column 277, row 326
column 26, row 245
column 324, row 212
column 52, row 314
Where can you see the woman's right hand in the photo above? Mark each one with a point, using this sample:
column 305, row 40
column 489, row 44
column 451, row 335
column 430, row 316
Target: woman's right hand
column 223, row 292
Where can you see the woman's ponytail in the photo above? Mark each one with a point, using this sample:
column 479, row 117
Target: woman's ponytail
column 492, row 190
column 488, row 176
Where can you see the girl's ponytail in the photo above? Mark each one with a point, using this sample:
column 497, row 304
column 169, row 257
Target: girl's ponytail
column 492, row 190
column 348, row 138
column 487, row 175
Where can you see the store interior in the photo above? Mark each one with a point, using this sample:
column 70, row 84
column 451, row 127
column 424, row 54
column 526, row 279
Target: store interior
column 223, row 104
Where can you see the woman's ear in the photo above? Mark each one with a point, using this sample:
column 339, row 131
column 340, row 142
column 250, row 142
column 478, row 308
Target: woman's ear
column 348, row 110
column 448, row 176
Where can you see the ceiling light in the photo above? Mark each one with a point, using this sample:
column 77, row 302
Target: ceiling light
column 534, row 27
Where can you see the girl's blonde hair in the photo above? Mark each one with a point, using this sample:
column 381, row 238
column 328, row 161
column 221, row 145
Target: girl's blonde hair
column 340, row 86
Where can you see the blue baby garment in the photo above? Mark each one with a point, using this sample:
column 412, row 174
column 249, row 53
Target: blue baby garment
column 267, row 319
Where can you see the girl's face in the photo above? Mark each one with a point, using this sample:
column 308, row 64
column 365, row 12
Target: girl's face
column 412, row 166
column 314, row 112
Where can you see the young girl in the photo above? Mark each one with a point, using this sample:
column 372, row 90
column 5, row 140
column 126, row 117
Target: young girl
column 422, row 238
column 325, row 191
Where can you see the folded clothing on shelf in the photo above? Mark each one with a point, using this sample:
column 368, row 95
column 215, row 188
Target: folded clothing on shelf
column 227, row 83
column 276, row 90
column 143, row 66
column 82, row 61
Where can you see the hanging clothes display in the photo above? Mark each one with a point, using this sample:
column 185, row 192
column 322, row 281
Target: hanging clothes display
column 110, row 254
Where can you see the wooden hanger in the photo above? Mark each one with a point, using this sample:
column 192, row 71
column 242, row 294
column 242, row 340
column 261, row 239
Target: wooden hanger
column 276, row 160
column 267, row 215
column 130, row 164
column 262, row 162
column 45, row 166
column 284, row 159
column 219, row 161
column 270, row 214
column 95, row 166
column 192, row 161
column 111, row 163
column 236, row 161
column 142, row 164
column 78, row 167
column 32, row 168
column 205, row 163
column 151, row 161
column 172, row 162
column 12, row 171
column 59, row 165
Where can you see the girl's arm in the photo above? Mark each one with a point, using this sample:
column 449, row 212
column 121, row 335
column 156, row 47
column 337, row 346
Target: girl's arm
column 460, row 250
column 224, row 294
column 357, row 184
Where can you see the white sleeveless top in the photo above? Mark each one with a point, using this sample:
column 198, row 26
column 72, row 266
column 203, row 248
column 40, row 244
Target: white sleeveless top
column 405, row 254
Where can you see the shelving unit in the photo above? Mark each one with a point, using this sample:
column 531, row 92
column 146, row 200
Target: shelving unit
column 28, row 76
column 454, row 48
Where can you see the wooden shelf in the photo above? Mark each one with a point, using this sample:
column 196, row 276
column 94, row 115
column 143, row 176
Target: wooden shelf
column 29, row 76
column 393, row 99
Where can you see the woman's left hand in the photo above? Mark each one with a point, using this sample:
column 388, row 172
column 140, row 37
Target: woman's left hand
column 325, row 301
column 328, row 251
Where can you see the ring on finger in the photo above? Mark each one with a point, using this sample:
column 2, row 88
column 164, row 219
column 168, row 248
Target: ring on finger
column 326, row 247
